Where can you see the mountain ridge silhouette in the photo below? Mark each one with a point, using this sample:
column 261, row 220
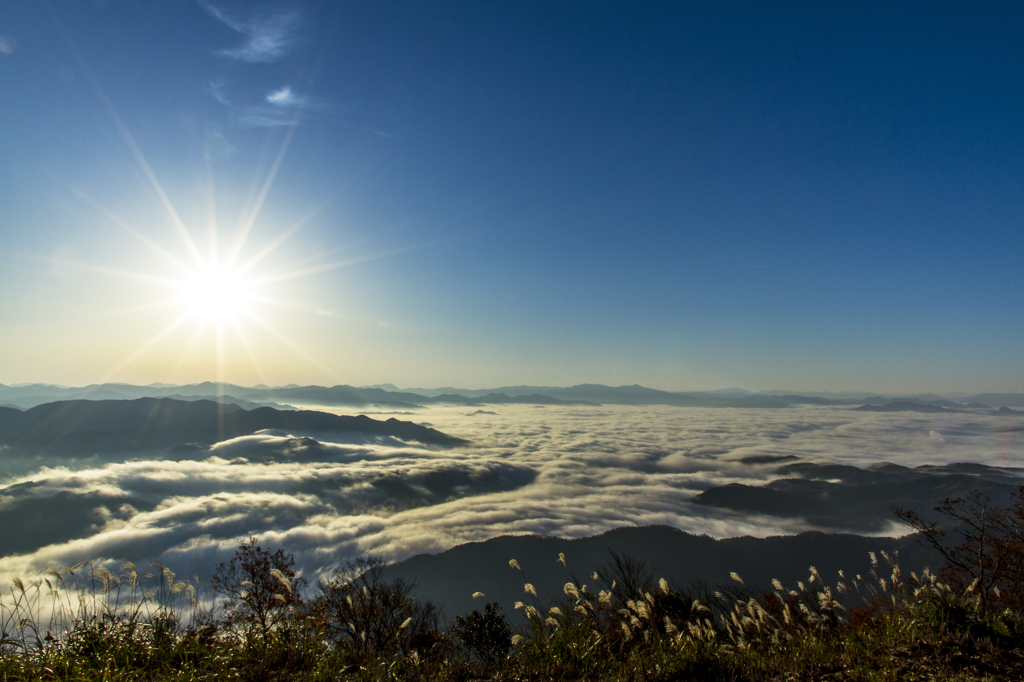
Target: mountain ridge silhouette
column 88, row 426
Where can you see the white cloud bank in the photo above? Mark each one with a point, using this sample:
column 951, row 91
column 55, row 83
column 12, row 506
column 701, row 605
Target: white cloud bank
column 568, row 471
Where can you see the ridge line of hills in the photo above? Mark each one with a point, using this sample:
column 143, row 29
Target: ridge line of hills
column 147, row 424
column 26, row 396
column 452, row 576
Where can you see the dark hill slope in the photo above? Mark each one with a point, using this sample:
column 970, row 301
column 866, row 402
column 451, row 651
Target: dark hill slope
column 83, row 426
column 8, row 415
column 452, row 577
column 861, row 500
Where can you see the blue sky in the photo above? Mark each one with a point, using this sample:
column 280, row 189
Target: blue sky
column 682, row 195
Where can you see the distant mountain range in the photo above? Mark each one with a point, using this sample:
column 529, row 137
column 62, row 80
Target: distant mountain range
column 453, row 576
column 387, row 395
column 86, row 427
column 906, row 406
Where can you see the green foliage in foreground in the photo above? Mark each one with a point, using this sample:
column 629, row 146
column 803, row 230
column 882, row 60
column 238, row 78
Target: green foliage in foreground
column 967, row 623
column 152, row 628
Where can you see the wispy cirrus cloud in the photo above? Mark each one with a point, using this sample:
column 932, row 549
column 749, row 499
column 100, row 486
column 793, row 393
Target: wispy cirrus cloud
column 216, row 89
column 267, row 37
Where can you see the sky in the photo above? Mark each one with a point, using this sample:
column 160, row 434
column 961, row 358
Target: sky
column 680, row 195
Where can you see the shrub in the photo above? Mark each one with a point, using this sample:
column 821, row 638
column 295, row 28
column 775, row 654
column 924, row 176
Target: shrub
column 486, row 635
column 361, row 612
column 259, row 587
column 989, row 557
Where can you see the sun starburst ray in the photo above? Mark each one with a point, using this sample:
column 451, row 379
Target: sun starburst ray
column 291, row 344
column 124, row 225
column 126, row 135
column 246, row 228
column 247, row 347
column 141, row 350
column 211, row 213
column 317, row 269
column 285, row 305
column 168, row 302
column 273, row 245
column 219, row 326
column 193, row 339
column 106, row 270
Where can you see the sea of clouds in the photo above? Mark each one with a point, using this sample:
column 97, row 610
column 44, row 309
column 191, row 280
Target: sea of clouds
column 557, row 470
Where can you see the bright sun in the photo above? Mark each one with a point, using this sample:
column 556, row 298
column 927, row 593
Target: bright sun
column 216, row 288
column 216, row 293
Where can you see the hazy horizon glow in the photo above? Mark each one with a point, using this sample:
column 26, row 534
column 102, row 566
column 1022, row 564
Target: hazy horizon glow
column 685, row 197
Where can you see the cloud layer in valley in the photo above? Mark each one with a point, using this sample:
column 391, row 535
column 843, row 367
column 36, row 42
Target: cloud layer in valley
column 567, row 471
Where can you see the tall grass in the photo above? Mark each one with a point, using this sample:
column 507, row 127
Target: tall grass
column 64, row 600
column 881, row 626
column 83, row 623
